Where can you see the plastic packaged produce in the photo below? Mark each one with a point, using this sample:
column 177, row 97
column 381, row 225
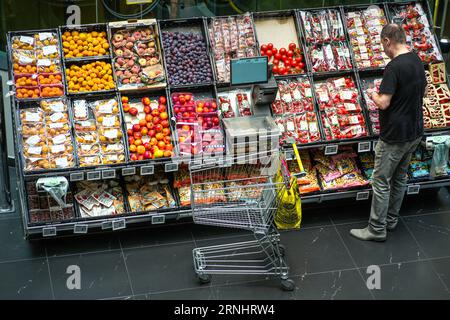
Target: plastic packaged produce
column 341, row 112
column 323, row 25
column 339, row 171
column 364, row 29
column 186, row 57
column 231, row 37
column 97, row 199
column 370, row 86
column 436, row 104
column 147, row 193
column 236, row 103
column 417, row 28
column 295, row 113
column 308, row 183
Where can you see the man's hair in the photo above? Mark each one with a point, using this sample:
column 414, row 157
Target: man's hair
column 394, row 33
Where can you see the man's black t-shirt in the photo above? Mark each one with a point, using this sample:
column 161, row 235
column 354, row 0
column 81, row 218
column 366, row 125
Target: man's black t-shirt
column 404, row 78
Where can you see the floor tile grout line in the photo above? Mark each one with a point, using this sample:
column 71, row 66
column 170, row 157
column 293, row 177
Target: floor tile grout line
column 426, row 255
column 353, row 260
column 126, row 268
column 291, row 276
column 21, row 260
column 49, row 274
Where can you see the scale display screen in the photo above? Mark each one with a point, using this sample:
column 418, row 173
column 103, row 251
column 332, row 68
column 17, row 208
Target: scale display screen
column 249, row 70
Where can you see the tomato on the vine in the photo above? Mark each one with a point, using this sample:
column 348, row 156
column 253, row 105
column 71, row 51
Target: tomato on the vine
column 270, row 45
column 292, row 46
column 263, row 48
column 282, row 51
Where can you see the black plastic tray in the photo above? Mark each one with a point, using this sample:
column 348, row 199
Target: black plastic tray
column 211, row 51
column 91, row 98
column 196, row 25
column 87, row 28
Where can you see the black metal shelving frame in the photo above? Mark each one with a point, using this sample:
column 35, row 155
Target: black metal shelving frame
column 82, row 226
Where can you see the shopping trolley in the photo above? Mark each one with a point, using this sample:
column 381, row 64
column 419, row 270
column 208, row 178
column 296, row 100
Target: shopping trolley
column 242, row 194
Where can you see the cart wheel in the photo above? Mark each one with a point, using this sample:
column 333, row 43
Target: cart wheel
column 288, row 285
column 204, row 278
column 282, row 250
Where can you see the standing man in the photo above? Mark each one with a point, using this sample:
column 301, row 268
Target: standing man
column 401, row 120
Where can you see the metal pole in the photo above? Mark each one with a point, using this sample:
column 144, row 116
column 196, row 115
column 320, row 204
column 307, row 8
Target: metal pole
column 444, row 17
column 6, row 204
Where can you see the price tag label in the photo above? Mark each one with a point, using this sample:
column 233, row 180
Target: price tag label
column 49, row 232
column 108, row 174
column 118, row 224
column 106, row 225
column 160, row 219
column 25, row 39
column 48, row 50
column 330, row 150
column 289, row 154
column 129, row 171
column 44, row 62
column 171, row 167
column 364, row 146
column 80, row 229
column 363, row 195
column 413, row 189
column 147, row 170
column 94, row 175
column 77, row 176
column 45, row 35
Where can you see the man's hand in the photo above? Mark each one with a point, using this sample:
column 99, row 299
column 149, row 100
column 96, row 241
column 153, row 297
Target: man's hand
column 381, row 100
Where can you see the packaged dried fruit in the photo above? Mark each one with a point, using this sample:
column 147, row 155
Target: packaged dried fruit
column 57, row 117
column 38, row 140
column 36, row 163
column 31, row 116
column 86, row 137
column 85, row 126
column 48, row 66
column 54, row 129
column 113, row 158
column 88, row 149
column 80, row 110
column 109, row 121
column 44, row 39
column 90, row 161
column 60, row 149
column 53, row 105
column 35, row 151
column 23, row 42
column 33, row 128
column 116, row 148
column 47, row 52
column 59, row 139
column 110, row 135
column 60, row 162
column 105, row 107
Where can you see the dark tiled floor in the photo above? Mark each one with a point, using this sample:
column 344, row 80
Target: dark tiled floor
column 325, row 262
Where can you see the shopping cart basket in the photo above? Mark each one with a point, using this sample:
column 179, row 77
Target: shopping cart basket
column 242, row 195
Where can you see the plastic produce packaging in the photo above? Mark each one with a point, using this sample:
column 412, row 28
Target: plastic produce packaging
column 364, row 29
column 295, row 113
column 417, row 28
column 370, row 86
column 231, row 37
column 341, row 113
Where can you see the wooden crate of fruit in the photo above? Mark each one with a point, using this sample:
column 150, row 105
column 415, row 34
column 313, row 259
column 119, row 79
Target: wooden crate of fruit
column 136, row 52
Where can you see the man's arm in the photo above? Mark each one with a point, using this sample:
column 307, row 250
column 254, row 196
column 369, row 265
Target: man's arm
column 382, row 100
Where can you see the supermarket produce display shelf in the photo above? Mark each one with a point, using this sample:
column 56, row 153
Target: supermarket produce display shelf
column 82, row 226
